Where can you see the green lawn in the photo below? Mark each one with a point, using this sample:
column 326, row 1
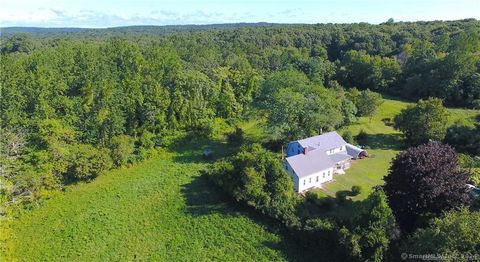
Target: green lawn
column 161, row 210
column 383, row 144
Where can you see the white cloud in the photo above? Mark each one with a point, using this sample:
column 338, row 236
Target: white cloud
column 109, row 13
column 89, row 18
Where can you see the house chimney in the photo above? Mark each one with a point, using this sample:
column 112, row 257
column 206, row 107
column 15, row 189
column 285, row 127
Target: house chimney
column 305, row 150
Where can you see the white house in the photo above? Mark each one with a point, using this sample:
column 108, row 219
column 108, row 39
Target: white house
column 313, row 161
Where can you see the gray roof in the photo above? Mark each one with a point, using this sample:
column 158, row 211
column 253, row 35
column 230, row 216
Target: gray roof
column 314, row 161
column 338, row 157
column 325, row 141
column 354, row 151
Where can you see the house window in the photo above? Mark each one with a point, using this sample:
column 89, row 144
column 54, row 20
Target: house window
column 329, row 173
column 341, row 148
column 323, row 174
column 317, row 178
column 304, row 181
column 310, row 180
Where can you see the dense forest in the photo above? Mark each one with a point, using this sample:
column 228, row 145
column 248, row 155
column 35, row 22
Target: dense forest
column 76, row 103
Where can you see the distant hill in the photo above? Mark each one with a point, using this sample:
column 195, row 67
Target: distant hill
column 39, row 31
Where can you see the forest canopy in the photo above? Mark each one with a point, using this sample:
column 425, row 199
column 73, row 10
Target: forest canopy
column 75, row 104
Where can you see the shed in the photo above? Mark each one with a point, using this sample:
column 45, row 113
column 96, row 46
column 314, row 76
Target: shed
column 356, row 152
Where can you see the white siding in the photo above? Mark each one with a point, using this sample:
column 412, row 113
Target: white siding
column 304, row 183
column 310, row 181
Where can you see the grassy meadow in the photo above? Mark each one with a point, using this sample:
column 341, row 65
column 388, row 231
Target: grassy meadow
column 160, row 210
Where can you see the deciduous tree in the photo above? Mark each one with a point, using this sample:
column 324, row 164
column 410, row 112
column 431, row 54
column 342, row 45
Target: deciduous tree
column 423, row 182
column 425, row 121
column 453, row 235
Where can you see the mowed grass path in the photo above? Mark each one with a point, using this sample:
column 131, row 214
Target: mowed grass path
column 384, row 144
column 161, row 210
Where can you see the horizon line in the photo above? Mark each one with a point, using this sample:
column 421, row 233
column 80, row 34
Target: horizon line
column 234, row 23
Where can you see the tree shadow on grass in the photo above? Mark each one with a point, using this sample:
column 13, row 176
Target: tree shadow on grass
column 344, row 211
column 385, row 141
column 341, row 207
column 190, row 148
column 202, row 198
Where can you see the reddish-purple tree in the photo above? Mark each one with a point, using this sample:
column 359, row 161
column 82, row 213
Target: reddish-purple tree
column 423, row 182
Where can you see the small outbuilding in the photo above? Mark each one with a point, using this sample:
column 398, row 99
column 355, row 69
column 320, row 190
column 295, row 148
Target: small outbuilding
column 356, row 152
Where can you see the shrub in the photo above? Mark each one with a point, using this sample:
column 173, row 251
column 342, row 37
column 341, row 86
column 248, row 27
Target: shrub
column 356, row 190
column 205, row 128
column 236, row 138
column 319, row 230
column 146, row 145
column 476, row 104
column 256, row 177
column 370, row 230
column 464, row 138
column 310, row 196
column 341, row 196
column 88, row 162
column 327, row 202
column 347, row 135
column 146, row 140
column 168, row 139
column 121, row 149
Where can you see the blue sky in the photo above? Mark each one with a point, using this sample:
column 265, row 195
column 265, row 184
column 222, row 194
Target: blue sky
column 110, row 13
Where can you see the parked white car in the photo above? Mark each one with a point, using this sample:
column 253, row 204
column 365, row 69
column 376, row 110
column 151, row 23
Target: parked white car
column 469, row 186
